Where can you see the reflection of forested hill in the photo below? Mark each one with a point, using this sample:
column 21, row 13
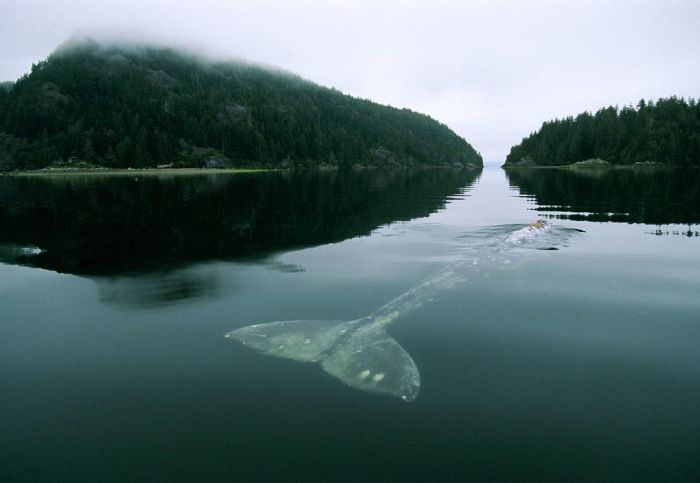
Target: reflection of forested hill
column 94, row 225
column 632, row 196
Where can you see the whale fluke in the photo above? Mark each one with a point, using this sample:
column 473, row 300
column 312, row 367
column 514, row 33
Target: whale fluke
column 299, row 340
column 359, row 353
column 371, row 360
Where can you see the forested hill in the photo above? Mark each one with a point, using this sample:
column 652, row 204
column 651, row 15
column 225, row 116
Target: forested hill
column 667, row 132
column 143, row 106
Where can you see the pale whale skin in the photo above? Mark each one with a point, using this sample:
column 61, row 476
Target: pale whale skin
column 360, row 352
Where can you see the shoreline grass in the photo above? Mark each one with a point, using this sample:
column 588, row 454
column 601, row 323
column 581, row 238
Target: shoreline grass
column 611, row 167
column 134, row 172
column 97, row 171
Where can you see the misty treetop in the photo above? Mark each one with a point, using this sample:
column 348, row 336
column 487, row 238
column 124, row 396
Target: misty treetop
column 143, row 106
column 667, row 132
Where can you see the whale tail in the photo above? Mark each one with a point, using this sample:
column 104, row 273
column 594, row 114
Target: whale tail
column 361, row 354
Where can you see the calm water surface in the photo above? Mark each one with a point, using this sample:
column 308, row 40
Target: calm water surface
column 115, row 293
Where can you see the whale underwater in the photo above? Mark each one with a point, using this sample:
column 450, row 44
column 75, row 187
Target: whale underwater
column 360, row 352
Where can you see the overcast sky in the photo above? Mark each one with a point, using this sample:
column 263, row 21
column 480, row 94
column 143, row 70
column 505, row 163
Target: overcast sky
column 491, row 70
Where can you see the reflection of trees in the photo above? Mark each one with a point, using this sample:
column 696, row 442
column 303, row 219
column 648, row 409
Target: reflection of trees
column 156, row 289
column 690, row 232
column 631, row 196
column 100, row 225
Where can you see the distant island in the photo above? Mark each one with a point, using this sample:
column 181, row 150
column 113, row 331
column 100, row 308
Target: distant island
column 665, row 133
column 92, row 104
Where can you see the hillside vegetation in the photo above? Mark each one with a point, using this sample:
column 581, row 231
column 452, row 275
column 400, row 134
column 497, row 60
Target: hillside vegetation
column 144, row 106
column 666, row 132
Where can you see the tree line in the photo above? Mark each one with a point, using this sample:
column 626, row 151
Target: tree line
column 666, row 131
column 144, row 106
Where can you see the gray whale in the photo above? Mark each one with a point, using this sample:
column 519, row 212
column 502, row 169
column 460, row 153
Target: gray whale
column 360, row 352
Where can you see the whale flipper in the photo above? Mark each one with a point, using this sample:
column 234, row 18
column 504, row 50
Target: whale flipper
column 363, row 356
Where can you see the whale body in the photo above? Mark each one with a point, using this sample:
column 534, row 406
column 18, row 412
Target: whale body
column 360, row 352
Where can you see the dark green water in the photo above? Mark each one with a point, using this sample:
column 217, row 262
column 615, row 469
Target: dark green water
column 115, row 293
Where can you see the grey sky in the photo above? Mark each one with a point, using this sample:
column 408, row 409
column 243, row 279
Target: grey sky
column 491, row 70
